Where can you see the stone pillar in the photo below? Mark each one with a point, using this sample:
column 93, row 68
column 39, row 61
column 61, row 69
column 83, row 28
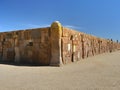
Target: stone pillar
column 17, row 55
column 56, row 33
column 17, row 52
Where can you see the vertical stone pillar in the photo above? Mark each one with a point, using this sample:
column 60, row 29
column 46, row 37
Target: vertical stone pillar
column 83, row 47
column 17, row 53
column 56, row 33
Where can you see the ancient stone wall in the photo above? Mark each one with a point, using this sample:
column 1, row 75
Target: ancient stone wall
column 54, row 45
column 28, row 46
column 77, row 45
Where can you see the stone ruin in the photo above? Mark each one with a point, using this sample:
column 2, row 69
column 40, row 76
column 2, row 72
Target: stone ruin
column 55, row 45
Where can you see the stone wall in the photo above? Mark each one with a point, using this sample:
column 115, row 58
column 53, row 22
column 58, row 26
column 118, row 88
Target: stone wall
column 77, row 45
column 55, row 45
column 27, row 46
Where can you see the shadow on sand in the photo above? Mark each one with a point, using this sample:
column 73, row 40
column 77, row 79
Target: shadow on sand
column 24, row 64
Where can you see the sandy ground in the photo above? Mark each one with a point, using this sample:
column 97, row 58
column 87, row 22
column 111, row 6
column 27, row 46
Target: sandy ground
column 101, row 72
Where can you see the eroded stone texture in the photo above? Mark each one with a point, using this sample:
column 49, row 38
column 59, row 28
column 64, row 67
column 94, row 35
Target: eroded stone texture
column 55, row 45
column 83, row 45
column 56, row 33
column 27, row 46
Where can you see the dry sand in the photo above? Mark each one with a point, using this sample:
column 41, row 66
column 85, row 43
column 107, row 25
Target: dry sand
column 101, row 72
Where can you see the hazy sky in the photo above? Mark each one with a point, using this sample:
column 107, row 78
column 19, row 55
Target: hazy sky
column 98, row 17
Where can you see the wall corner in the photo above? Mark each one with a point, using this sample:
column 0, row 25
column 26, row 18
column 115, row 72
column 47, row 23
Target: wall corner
column 56, row 33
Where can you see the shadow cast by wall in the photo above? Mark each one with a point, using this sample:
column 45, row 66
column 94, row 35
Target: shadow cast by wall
column 24, row 64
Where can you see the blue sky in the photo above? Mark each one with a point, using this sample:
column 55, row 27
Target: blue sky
column 98, row 17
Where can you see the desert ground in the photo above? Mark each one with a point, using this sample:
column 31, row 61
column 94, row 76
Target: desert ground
column 101, row 72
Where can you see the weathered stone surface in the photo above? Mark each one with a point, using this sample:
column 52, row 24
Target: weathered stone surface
column 66, row 50
column 55, row 45
column 56, row 33
column 84, row 45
